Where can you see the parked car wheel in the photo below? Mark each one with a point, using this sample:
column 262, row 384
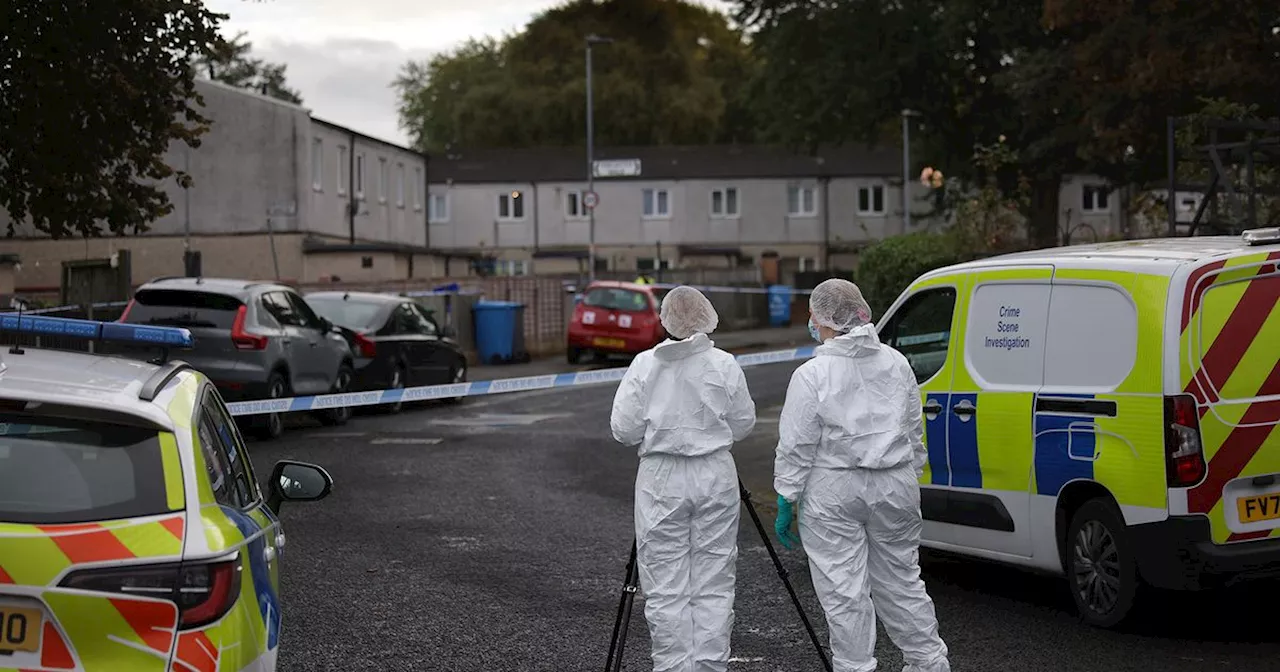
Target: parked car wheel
column 338, row 416
column 458, row 374
column 1101, row 568
column 270, row 426
column 574, row 355
column 397, row 382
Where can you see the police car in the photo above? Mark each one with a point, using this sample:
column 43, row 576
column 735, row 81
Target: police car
column 1109, row 412
column 133, row 533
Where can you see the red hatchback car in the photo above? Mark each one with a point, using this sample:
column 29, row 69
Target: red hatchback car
column 614, row 318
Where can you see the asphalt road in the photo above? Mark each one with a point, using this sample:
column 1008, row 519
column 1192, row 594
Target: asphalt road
column 493, row 535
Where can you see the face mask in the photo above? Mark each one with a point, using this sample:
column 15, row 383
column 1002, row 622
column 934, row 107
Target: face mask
column 813, row 331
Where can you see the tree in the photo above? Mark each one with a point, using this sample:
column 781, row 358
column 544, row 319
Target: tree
column 91, row 96
column 231, row 64
column 673, row 76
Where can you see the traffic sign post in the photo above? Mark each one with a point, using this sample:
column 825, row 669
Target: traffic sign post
column 591, row 199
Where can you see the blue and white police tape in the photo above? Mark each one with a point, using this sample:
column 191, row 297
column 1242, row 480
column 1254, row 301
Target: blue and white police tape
column 475, row 389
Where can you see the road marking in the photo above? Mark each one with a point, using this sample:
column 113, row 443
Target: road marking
column 501, row 419
column 338, row 435
column 406, row 441
column 746, row 660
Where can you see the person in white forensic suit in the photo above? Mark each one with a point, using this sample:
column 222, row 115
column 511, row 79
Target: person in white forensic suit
column 684, row 403
column 850, row 455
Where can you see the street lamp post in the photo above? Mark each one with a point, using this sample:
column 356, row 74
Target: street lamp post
column 906, row 168
column 592, row 40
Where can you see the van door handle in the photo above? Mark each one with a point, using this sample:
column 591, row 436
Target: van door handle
column 932, row 409
column 965, row 409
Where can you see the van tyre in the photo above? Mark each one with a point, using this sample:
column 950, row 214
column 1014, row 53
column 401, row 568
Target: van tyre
column 270, row 426
column 1100, row 563
column 334, row 417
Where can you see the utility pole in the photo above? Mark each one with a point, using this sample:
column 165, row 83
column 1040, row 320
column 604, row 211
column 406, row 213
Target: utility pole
column 592, row 40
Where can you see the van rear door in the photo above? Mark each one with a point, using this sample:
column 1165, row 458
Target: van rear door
column 1230, row 362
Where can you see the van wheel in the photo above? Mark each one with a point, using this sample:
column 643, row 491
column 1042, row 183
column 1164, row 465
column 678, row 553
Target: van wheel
column 1100, row 564
column 269, row 427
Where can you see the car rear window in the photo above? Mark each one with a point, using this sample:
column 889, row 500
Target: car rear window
column 349, row 313
column 183, row 308
column 59, row 470
column 617, row 299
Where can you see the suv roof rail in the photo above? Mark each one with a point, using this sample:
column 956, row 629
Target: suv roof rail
column 160, row 378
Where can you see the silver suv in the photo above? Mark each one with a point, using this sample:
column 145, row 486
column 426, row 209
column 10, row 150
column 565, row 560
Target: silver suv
column 254, row 340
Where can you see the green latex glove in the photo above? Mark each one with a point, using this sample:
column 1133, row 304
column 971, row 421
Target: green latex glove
column 782, row 526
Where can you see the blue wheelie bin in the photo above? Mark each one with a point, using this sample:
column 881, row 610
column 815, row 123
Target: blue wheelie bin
column 779, row 305
column 500, row 331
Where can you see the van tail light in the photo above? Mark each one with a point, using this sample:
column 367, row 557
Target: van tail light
column 1184, row 452
column 203, row 591
column 243, row 339
column 124, row 316
column 365, row 346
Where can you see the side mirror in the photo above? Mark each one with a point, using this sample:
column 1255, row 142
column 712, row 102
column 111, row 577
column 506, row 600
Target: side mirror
column 297, row 482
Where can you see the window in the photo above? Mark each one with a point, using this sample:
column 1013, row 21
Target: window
column 574, row 207
column 366, row 262
column 308, row 316
column 1216, row 303
column 511, row 206
column 724, row 202
column 400, row 185
column 72, row 467
column 657, row 203
column 438, row 207
column 360, row 176
column 317, row 164
column 650, row 264
column 616, row 299
column 382, row 180
column 806, row 264
column 871, row 199
column 801, row 202
column 1096, row 199
column 1005, row 337
column 342, row 170
column 417, row 189
column 1076, row 355
column 511, row 267
column 409, row 320
column 277, row 304
column 181, row 308
column 921, row 330
column 237, row 472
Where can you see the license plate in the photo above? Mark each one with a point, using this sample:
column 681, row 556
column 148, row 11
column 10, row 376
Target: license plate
column 609, row 342
column 1259, row 508
column 20, row 629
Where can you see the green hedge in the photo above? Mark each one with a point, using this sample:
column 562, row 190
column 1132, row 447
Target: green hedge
column 888, row 267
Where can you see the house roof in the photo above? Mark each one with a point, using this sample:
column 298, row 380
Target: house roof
column 569, row 164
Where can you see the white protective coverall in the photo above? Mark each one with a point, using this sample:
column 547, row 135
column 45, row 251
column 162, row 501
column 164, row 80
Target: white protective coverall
column 685, row 403
column 851, row 452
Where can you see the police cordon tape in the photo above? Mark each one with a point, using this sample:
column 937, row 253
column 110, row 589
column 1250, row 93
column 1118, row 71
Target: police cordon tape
column 477, row 388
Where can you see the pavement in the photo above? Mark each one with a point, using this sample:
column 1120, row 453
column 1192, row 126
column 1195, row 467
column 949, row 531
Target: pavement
column 492, row 536
column 736, row 342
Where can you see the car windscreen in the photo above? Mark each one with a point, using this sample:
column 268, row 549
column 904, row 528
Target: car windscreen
column 350, row 313
column 616, row 299
column 183, row 308
column 64, row 470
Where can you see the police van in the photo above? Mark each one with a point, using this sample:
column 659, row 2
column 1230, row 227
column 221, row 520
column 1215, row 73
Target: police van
column 1106, row 412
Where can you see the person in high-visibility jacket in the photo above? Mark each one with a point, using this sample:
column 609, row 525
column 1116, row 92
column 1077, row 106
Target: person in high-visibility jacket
column 644, row 280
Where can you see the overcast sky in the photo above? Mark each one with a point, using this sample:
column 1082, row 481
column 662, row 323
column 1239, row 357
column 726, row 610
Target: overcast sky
column 342, row 55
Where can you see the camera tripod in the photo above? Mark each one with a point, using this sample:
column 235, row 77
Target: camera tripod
column 632, row 583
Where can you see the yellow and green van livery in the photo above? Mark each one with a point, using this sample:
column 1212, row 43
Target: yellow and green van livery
column 1108, row 412
column 133, row 534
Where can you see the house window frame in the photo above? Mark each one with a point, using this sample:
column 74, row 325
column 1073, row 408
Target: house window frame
column 433, row 214
column 725, row 213
column 417, row 188
column 360, row 176
column 1090, row 194
column 870, row 191
column 656, row 214
column 800, row 190
column 317, row 164
column 400, row 185
column 343, row 170
column 575, row 194
column 510, row 198
column 383, row 176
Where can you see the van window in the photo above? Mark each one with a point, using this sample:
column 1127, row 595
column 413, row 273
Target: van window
column 1093, row 337
column 183, row 308
column 1005, row 336
column 56, row 470
column 921, row 330
column 1243, row 315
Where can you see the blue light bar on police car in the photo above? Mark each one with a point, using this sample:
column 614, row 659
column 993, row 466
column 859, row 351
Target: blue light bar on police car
column 173, row 337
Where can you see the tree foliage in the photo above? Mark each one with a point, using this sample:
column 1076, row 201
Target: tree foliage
column 673, row 75
column 91, row 95
column 1074, row 85
column 231, row 63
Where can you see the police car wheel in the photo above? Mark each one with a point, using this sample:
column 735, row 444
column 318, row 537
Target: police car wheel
column 1101, row 568
column 271, row 425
